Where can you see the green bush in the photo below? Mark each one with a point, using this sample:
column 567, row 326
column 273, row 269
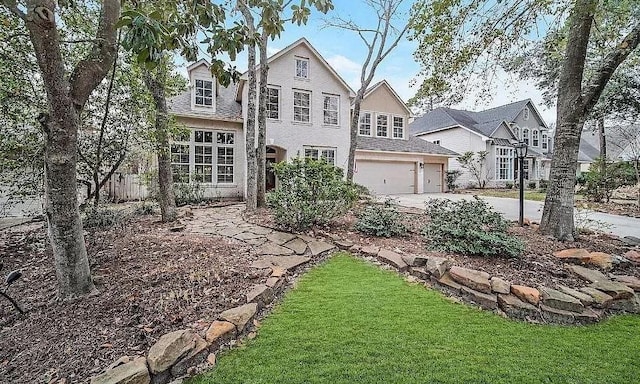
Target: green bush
column 188, row 193
column 543, row 185
column 531, row 185
column 469, row 227
column 598, row 185
column 382, row 220
column 309, row 192
column 508, row 185
column 103, row 217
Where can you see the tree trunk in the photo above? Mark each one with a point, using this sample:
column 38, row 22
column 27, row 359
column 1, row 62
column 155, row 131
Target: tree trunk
column 603, row 155
column 261, row 150
column 66, row 97
column 167, row 199
column 355, row 123
column 250, row 134
column 558, row 214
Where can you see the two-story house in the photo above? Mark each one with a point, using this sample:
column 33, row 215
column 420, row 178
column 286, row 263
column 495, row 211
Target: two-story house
column 388, row 159
column 493, row 130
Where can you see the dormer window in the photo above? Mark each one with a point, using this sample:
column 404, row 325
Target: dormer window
column 204, row 93
column 302, row 68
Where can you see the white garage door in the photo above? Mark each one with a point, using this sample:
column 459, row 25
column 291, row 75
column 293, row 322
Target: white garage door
column 384, row 178
column 432, row 178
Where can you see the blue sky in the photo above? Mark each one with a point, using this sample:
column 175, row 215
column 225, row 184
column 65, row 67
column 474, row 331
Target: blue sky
column 344, row 51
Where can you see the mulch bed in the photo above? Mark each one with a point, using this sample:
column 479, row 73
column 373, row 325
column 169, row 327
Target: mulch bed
column 150, row 281
column 537, row 266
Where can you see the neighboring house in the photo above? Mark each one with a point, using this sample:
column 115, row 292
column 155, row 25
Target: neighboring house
column 388, row 159
column 493, row 130
column 623, row 144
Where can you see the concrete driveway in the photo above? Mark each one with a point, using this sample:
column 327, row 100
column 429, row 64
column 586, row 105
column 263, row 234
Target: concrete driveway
column 619, row 225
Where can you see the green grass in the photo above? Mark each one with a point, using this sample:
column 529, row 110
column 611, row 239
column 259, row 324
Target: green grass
column 351, row 322
column 511, row 193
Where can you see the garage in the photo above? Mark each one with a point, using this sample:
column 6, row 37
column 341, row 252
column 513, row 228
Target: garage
column 432, row 178
column 385, row 178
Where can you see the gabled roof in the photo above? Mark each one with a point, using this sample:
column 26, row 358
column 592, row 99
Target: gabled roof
column 411, row 145
column 282, row 52
column 587, row 152
column 385, row 83
column 483, row 123
column 197, row 64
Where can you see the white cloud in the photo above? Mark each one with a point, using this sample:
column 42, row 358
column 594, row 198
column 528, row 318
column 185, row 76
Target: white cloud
column 272, row 50
column 344, row 66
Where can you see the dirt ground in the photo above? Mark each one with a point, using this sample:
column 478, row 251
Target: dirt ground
column 150, row 281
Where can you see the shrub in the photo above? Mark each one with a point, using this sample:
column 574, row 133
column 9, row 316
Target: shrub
column 382, row 220
column 599, row 185
column 103, row 217
column 543, row 185
column 189, row 193
column 452, row 177
column 508, row 185
column 143, row 209
column 310, row 192
column 532, row 185
column 469, row 227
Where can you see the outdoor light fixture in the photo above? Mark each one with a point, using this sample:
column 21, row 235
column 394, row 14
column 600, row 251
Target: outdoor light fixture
column 521, row 151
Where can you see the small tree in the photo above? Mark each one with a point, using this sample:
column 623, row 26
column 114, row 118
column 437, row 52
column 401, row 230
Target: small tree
column 452, row 177
column 475, row 164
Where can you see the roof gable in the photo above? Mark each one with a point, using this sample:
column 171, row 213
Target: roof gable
column 383, row 84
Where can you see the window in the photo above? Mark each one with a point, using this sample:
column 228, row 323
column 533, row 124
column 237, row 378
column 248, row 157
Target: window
column 516, row 132
column 330, row 109
column 301, row 106
column 365, row 124
column 180, row 162
column 536, row 137
column 504, row 163
column 437, row 142
column 525, row 136
column 302, row 68
column 273, row 103
column 526, row 113
column 204, row 93
column 196, row 159
column 321, row 153
column 225, row 142
column 382, row 126
column 398, row 127
column 545, row 143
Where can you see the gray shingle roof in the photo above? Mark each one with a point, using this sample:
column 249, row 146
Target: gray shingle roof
column 226, row 105
column 483, row 122
column 587, row 153
column 411, row 145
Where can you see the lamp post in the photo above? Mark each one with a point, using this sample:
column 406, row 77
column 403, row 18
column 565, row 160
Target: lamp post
column 521, row 150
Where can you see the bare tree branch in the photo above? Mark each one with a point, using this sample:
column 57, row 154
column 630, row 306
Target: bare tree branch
column 12, row 5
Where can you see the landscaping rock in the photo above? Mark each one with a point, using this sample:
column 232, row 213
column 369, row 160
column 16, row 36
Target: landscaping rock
column 584, row 298
column 499, row 285
column 631, row 240
column 630, row 281
column 600, row 259
column 572, row 254
column 277, row 271
column 270, row 248
column 516, row 308
column 211, row 359
column 280, row 237
column 557, row 316
column 630, row 305
column 558, row 300
column 587, row 274
column 600, row 299
column 260, row 294
column 344, row 244
column 318, row 247
column 409, row 259
column 578, row 255
column 438, row 266
column 169, row 349
column 259, row 230
column 588, row 316
column 240, row 316
column 297, row 245
column 471, row 278
column 275, row 283
column 614, row 289
column 286, row 262
column 244, row 236
column 134, row 372
column 633, row 256
column 527, row 294
column 420, row 273
column 370, row 250
column 485, row 300
column 231, row 231
column 197, row 355
column 447, row 283
column 393, row 259
column 220, row 332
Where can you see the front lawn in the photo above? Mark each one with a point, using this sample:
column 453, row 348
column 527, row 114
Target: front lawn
column 351, row 322
column 510, row 193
